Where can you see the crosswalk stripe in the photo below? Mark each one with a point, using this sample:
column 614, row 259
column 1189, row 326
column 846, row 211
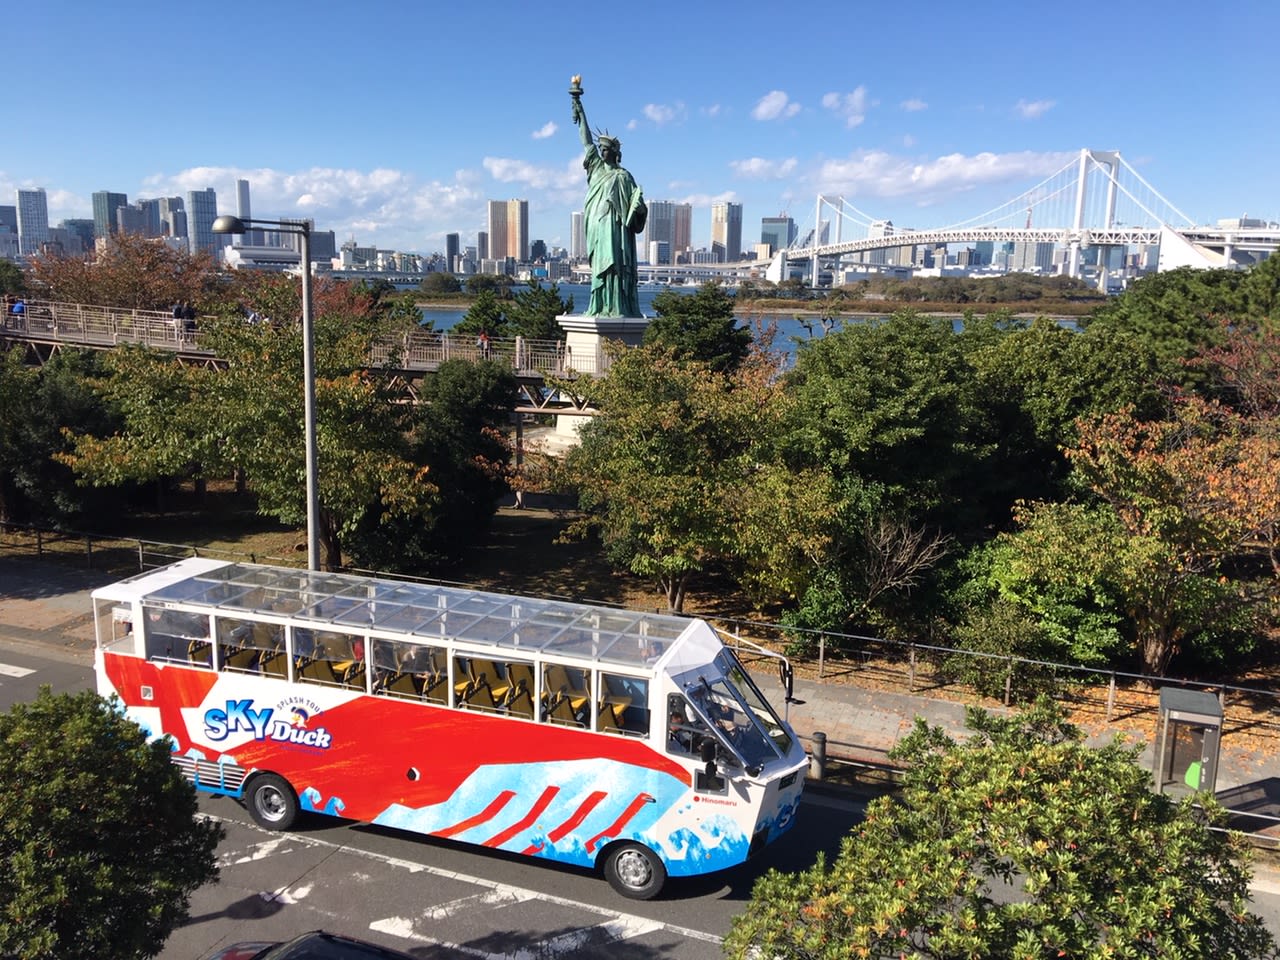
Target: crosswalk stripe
column 9, row 670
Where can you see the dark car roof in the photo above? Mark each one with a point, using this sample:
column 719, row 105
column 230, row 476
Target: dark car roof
column 319, row 945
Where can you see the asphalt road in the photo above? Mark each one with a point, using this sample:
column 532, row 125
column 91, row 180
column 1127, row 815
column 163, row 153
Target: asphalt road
column 437, row 899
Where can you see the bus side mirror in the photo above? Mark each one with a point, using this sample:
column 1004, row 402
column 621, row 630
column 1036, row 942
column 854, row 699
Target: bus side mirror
column 707, row 754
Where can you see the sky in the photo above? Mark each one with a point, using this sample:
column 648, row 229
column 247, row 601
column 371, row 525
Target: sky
column 393, row 125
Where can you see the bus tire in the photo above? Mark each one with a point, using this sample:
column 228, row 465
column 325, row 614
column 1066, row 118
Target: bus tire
column 634, row 871
column 271, row 802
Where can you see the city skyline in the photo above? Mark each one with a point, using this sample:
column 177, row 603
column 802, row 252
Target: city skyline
column 922, row 122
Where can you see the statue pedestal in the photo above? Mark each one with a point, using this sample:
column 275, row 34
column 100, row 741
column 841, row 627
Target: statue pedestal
column 584, row 354
column 584, row 339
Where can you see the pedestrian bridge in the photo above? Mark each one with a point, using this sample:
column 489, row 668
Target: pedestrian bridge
column 47, row 326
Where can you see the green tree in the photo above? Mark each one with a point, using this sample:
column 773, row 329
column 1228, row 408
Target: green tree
column 439, row 283
column 479, row 282
column 662, row 469
column 1019, row 842
column 701, row 327
column 12, row 279
column 485, row 313
column 100, row 843
column 532, row 314
column 37, row 404
column 249, row 416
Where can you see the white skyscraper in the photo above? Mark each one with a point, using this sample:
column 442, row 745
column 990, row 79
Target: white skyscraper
column 577, row 236
column 33, row 220
column 726, row 230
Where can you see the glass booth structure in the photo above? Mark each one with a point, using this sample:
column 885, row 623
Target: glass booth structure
column 1190, row 737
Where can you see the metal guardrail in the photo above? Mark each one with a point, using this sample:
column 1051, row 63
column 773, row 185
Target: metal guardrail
column 102, row 328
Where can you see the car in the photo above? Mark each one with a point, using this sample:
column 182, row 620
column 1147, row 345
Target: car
column 316, row 945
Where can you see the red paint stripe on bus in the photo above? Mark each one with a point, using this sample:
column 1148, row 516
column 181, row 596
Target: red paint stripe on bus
column 488, row 813
column 589, row 804
column 524, row 822
column 616, row 827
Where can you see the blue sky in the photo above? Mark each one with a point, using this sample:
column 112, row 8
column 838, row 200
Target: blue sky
column 394, row 124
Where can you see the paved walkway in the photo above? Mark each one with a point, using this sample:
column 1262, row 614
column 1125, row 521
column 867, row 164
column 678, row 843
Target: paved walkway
column 47, row 604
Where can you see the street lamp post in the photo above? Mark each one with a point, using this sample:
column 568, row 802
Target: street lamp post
column 302, row 229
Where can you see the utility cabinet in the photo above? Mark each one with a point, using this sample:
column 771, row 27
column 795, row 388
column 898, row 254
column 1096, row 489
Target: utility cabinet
column 1190, row 738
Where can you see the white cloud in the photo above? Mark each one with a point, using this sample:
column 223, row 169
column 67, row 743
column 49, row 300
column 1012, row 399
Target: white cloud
column 661, row 113
column 914, row 104
column 775, row 105
column 1032, row 109
column 758, row 168
column 507, row 170
column 544, row 131
column 874, row 173
column 852, row 106
column 711, row 111
column 908, row 141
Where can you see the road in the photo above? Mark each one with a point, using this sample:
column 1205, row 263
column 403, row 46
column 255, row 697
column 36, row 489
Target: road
column 434, row 898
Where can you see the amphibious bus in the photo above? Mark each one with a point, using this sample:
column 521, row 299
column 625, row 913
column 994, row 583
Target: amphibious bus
column 630, row 742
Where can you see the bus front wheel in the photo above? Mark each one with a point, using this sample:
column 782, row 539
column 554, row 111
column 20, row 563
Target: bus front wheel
column 272, row 802
column 635, row 871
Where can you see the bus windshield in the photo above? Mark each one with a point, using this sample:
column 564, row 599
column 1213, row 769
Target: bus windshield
column 723, row 709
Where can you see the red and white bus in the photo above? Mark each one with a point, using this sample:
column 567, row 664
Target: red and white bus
column 631, row 742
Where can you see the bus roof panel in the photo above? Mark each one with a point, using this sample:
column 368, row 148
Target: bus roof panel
column 419, row 610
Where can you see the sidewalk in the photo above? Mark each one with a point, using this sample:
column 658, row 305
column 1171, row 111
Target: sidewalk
column 46, row 605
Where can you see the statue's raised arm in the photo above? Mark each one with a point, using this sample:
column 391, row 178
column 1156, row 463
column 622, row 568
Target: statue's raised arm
column 612, row 214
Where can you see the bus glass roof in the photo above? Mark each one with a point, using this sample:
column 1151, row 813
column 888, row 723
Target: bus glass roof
column 427, row 611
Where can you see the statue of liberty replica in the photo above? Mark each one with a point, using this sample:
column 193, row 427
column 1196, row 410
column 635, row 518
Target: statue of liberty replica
column 613, row 213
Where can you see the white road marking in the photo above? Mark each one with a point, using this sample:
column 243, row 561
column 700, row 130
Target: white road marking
column 9, row 670
column 619, row 925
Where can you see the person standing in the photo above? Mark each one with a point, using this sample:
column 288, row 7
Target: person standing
column 613, row 213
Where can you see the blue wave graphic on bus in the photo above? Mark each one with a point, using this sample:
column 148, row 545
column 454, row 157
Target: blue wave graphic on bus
column 558, row 811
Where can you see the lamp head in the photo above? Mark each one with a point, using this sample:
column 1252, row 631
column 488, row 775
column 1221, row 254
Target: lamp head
column 228, row 224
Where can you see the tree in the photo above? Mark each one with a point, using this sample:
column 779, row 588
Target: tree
column 12, row 280
column 249, row 416
column 532, row 314
column 132, row 272
column 100, row 843
column 1020, row 842
column 662, row 470
column 439, row 283
column 484, row 314
column 1193, row 494
column 37, row 404
column 702, row 326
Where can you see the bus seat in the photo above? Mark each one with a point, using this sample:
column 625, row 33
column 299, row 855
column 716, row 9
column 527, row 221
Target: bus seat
column 520, row 676
column 244, row 658
column 480, row 697
column 486, row 672
column 200, row 652
column 275, row 664
column 401, row 685
column 436, row 689
column 318, row 670
column 562, row 713
column 608, row 718
column 521, row 704
column 557, row 678
column 354, row 677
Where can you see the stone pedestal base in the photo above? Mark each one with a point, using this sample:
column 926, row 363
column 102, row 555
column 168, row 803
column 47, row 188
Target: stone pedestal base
column 584, row 354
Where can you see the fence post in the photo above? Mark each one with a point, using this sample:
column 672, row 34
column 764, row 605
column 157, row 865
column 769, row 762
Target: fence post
column 39, row 543
column 818, row 759
column 1111, row 695
column 822, row 653
column 88, row 552
column 1008, row 681
column 911, row 676
column 140, row 567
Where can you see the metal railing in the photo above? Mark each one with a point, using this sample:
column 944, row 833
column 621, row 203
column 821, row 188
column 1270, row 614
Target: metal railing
column 102, row 328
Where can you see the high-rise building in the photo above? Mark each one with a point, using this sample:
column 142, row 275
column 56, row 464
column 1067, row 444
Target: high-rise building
column 105, row 205
column 726, row 230
column 671, row 224
column 452, row 250
column 33, row 220
column 482, row 246
column 778, row 232
column 173, row 217
column 509, row 230
column 83, row 229
column 9, row 219
column 202, row 210
column 577, row 236
column 1031, row 258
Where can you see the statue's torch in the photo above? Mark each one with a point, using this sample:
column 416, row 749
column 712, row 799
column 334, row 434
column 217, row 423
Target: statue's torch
column 575, row 91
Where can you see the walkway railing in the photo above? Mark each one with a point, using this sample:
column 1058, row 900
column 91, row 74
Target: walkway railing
column 102, row 328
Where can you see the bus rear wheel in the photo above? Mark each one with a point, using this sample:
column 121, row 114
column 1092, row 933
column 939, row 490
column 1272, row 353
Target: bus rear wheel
column 272, row 802
column 635, row 871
